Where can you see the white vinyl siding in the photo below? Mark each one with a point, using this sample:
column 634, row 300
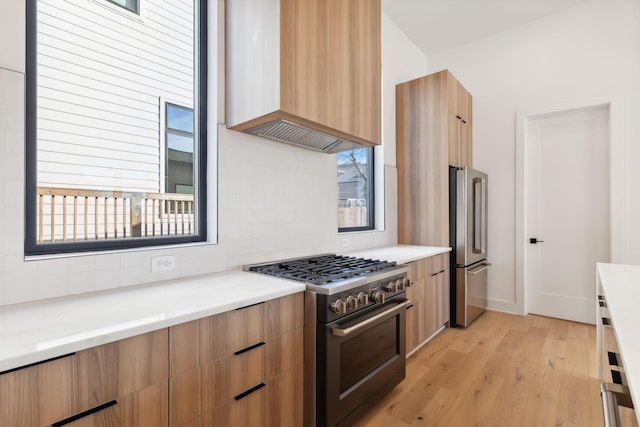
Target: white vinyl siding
column 101, row 75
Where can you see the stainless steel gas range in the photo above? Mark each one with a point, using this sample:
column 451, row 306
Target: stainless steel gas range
column 354, row 332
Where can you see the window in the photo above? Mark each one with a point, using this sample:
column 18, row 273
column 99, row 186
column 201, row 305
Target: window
column 106, row 169
column 355, row 190
column 131, row 5
column 179, row 149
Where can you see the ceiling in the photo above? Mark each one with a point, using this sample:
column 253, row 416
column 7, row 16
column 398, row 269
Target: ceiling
column 438, row 25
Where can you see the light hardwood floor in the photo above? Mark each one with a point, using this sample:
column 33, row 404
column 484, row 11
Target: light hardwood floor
column 503, row 370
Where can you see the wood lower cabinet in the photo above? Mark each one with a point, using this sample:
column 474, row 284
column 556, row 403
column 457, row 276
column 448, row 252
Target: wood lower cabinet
column 126, row 380
column 239, row 368
column 226, row 364
column 429, row 295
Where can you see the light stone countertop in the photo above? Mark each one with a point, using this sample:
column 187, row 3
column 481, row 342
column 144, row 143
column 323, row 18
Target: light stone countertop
column 41, row 330
column 401, row 254
column 38, row 331
column 621, row 286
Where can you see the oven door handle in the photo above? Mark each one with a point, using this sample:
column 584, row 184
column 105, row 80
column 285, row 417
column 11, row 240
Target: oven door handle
column 355, row 328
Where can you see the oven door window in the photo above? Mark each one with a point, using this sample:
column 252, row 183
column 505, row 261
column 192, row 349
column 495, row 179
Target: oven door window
column 367, row 352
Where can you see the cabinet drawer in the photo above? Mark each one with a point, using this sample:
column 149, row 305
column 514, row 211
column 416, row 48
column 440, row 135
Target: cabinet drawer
column 205, row 388
column 427, row 267
column 283, row 399
column 72, row 386
column 284, row 352
column 147, row 407
column 247, row 411
column 283, row 315
column 203, row 341
column 39, row 395
column 110, row 371
column 277, row 403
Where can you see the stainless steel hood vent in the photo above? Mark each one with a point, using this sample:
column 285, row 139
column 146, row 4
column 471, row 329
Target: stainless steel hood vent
column 291, row 133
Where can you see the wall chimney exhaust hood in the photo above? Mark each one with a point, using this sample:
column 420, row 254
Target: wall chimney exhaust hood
column 305, row 72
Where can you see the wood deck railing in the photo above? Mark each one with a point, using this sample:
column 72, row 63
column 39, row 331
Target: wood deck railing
column 67, row 214
column 355, row 216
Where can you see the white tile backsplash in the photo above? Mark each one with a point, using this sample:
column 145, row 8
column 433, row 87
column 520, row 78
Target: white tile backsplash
column 107, row 279
column 81, row 282
column 275, row 201
column 53, row 285
column 131, row 275
column 21, row 287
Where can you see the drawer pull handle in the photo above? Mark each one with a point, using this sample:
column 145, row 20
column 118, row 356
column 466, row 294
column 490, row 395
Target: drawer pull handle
column 409, row 306
column 248, row 392
column 36, row 363
column 439, row 272
column 250, row 305
column 613, row 358
column 85, row 414
column 251, row 347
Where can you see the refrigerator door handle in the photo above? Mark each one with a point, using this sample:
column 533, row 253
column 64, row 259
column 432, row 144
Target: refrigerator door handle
column 479, row 216
column 480, row 269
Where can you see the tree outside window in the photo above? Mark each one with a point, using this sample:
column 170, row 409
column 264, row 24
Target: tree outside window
column 355, row 190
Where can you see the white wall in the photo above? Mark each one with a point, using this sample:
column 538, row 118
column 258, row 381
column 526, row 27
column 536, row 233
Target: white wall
column 585, row 53
column 275, row 201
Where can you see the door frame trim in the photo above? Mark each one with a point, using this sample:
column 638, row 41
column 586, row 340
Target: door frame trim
column 615, row 105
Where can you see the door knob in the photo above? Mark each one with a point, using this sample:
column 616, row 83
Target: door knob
column 533, row 241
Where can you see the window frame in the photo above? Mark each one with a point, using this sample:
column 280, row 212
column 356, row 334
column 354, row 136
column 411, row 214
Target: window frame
column 31, row 245
column 136, row 11
column 164, row 123
column 370, row 196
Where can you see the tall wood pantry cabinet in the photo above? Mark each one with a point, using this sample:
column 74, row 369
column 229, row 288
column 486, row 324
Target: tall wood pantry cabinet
column 433, row 131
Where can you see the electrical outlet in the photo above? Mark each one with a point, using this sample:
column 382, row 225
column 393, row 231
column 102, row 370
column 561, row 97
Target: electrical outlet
column 345, row 242
column 163, row 263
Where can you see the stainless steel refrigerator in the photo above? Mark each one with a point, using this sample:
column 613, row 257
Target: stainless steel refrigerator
column 468, row 239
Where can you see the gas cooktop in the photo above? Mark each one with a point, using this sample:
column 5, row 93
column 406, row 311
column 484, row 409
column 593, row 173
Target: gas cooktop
column 328, row 273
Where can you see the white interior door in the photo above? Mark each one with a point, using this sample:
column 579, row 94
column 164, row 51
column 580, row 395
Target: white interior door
column 567, row 187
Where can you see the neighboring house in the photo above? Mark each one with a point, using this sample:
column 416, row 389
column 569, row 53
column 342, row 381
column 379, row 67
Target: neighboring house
column 352, row 187
column 115, row 95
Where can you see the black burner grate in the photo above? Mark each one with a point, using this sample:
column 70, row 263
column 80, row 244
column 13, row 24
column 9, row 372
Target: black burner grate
column 322, row 270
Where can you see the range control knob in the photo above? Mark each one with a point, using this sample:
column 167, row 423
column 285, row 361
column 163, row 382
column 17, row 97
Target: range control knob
column 352, row 302
column 363, row 298
column 399, row 285
column 377, row 297
column 390, row 286
column 406, row 282
column 339, row 306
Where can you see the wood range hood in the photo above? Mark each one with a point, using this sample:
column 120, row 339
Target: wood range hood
column 305, row 72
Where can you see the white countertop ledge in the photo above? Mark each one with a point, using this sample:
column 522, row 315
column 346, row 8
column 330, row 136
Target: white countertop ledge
column 401, row 254
column 621, row 286
column 34, row 332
